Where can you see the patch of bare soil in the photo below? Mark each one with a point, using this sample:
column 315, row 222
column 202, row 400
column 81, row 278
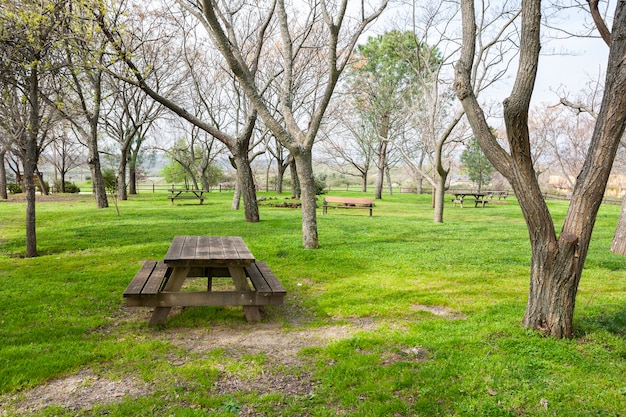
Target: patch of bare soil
column 85, row 389
column 440, row 311
column 74, row 392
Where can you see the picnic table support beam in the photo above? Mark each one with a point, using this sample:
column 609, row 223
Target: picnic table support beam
column 174, row 283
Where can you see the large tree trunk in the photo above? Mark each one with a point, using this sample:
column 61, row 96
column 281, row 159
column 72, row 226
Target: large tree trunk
column 557, row 263
column 304, row 165
column 3, row 178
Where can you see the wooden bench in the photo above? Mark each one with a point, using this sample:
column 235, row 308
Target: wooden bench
column 148, row 282
column 347, row 202
column 265, row 283
column 146, row 288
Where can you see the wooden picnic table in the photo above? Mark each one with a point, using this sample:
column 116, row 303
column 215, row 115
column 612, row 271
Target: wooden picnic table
column 205, row 256
column 183, row 193
column 479, row 198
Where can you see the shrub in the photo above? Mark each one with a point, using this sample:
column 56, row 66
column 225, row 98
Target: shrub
column 70, row 187
column 14, row 188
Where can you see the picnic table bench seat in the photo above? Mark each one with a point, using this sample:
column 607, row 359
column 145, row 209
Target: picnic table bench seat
column 148, row 281
column 147, row 287
column 348, row 203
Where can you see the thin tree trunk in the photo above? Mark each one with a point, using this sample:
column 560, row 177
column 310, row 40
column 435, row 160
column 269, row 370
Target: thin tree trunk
column 382, row 162
column 3, row 177
column 304, row 165
column 389, row 183
column 439, row 195
column 295, row 182
column 42, row 183
column 121, row 178
column 236, row 196
column 30, row 163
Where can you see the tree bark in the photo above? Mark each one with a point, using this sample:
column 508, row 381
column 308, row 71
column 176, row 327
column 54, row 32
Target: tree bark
column 295, row 182
column 304, row 165
column 3, row 177
column 245, row 181
column 439, row 194
column 30, row 157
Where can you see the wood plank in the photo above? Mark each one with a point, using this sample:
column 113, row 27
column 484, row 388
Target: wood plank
column 230, row 252
column 188, row 251
column 257, row 279
column 166, row 300
column 271, row 279
column 155, row 282
column 217, row 251
column 173, row 253
column 242, row 249
column 139, row 281
column 203, row 251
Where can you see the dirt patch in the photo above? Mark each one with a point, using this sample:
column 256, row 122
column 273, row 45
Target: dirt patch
column 440, row 311
column 75, row 392
column 85, row 389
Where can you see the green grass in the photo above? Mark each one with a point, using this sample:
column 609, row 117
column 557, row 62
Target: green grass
column 62, row 312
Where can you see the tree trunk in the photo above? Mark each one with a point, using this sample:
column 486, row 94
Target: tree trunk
column 97, row 180
column 132, row 179
column 364, row 183
column 382, row 162
column 236, row 196
column 439, row 196
column 618, row 245
column 30, row 157
column 121, row 178
column 3, row 178
column 554, row 278
column 389, row 183
column 295, row 182
column 304, row 165
column 245, row 179
column 42, row 183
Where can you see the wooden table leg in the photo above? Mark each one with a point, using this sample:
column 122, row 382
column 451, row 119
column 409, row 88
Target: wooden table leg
column 174, row 283
column 238, row 274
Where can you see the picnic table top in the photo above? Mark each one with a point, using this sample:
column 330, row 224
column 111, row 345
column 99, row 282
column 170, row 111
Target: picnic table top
column 208, row 251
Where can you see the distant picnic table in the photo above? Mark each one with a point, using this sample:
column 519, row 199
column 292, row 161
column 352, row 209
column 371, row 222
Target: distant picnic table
column 183, row 193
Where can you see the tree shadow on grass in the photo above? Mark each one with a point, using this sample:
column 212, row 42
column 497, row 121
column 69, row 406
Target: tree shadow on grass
column 613, row 321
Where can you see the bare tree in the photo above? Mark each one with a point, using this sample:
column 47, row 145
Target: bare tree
column 29, row 35
column 348, row 145
column 314, row 45
column 557, row 262
column 65, row 153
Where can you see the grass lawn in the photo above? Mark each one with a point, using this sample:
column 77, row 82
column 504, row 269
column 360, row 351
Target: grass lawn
column 393, row 316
